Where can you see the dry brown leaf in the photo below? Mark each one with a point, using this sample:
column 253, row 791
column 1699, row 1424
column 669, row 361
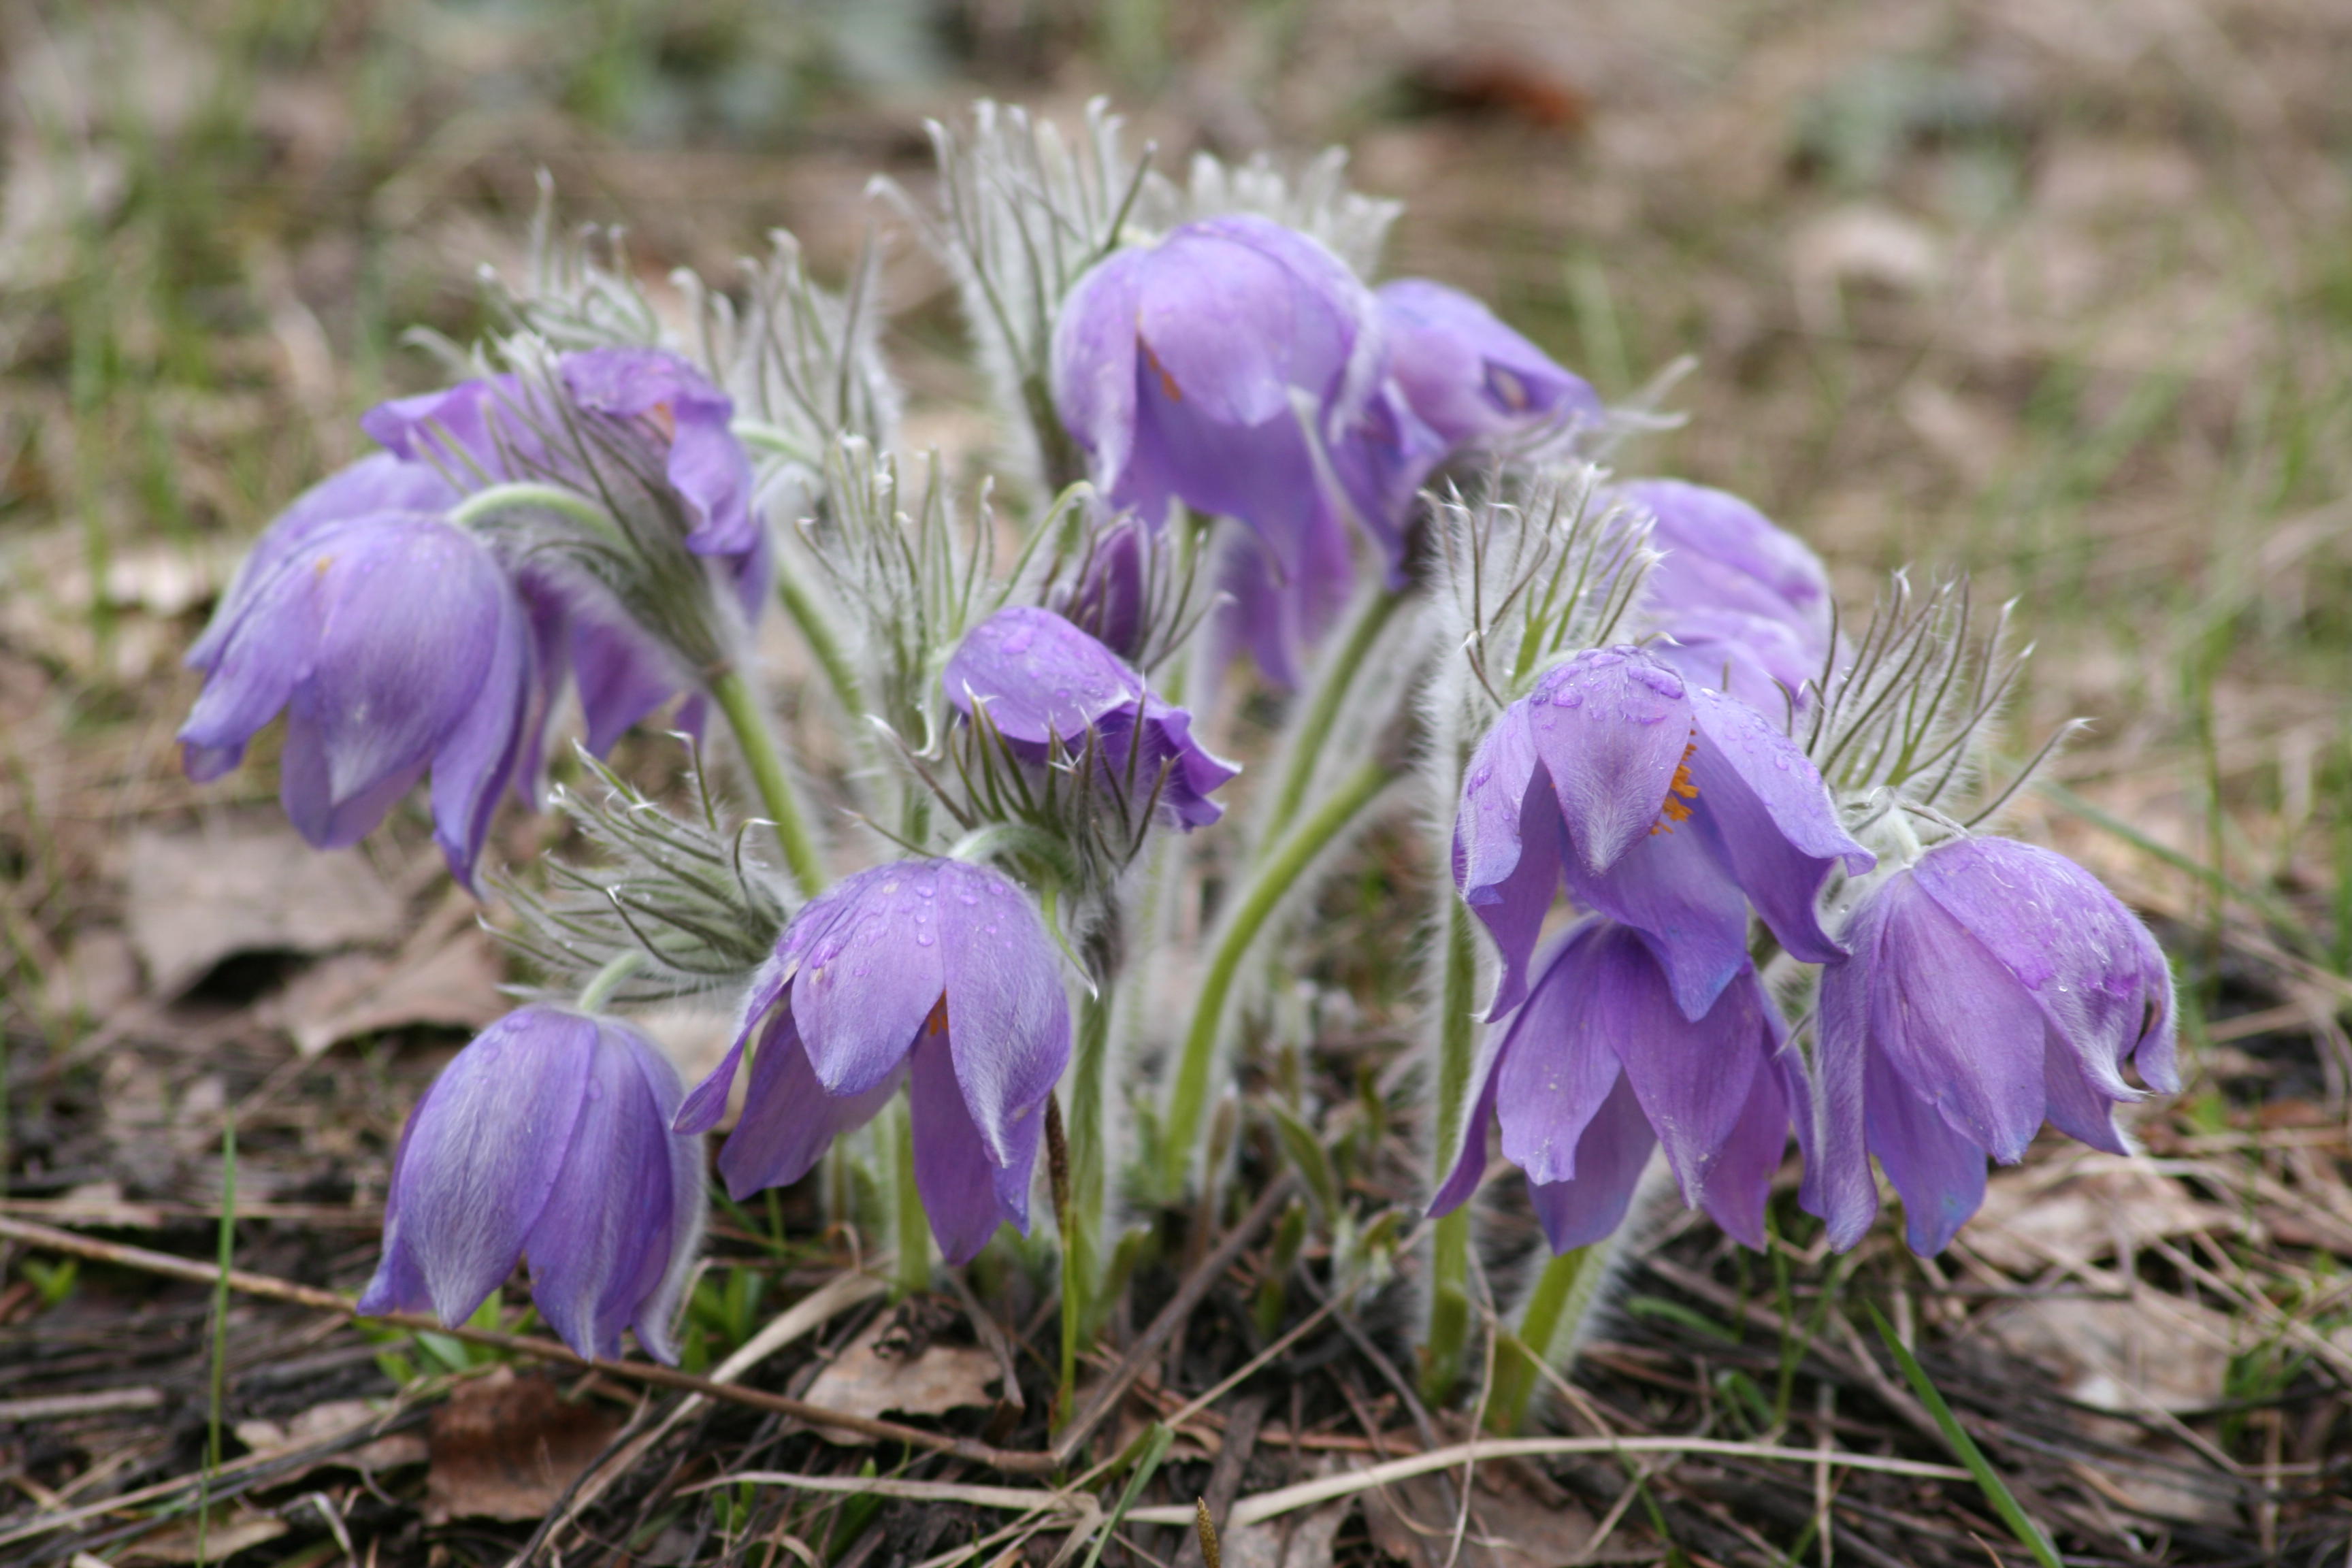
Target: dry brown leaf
column 508, row 1447
column 355, row 993
column 2098, row 1203
column 228, row 1532
column 1293, row 1541
column 194, row 899
column 2150, row 1351
column 1508, row 1527
column 875, row 1374
column 323, row 1422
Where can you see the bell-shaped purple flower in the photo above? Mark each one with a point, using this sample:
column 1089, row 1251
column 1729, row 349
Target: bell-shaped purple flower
column 1043, row 681
column 1746, row 603
column 1237, row 366
column 1602, row 1066
column 547, row 1140
column 394, row 644
column 1666, row 806
column 932, row 972
column 1112, row 599
column 1469, row 377
column 1991, row 987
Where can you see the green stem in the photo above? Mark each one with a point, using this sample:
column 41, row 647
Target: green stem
column 913, row 1226
column 766, row 761
column 1081, row 1217
column 822, row 641
column 1563, row 1294
column 1449, row 1295
column 609, row 979
column 1275, row 878
column 1323, row 711
column 524, row 494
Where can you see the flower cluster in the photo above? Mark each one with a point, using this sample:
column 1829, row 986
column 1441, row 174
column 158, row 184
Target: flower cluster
column 1633, row 694
column 405, row 627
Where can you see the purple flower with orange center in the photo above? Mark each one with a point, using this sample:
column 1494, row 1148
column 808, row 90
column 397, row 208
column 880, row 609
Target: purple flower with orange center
column 1667, row 807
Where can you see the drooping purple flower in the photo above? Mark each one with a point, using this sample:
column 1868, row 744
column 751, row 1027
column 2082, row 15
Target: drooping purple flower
column 547, row 1140
column 935, row 973
column 1991, row 987
column 645, row 400
column 1602, row 1066
column 1042, row 680
column 1111, row 601
column 1739, row 598
column 1666, row 806
column 394, row 644
column 1238, row 367
column 1469, row 377
column 378, row 482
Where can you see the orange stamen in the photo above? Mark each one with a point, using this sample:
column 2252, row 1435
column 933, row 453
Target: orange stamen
column 937, row 1024
column 1681, row 790
column 1167, row 382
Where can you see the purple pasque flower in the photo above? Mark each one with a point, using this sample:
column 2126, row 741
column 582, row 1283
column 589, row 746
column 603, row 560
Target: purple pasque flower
column 932, row 972
column 1112, row 599
column 1469, row 377
column 547, row 1140
column 1238, row 367
column 1667, row 807
column 1045, row 683
column 1991, row 985
column 1744, row 603
column 395, row 645
column 1602, row 1066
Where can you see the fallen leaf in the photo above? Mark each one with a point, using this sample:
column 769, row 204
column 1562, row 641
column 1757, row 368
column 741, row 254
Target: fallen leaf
column 508, row 1447
column 1508, row 1527
column 1860, row 244
column 194, row 899
column 324, row 1423
column 2151, row 1352
column 1293, row 1541
column 227, row 1532
column 355, row 993
column 2100, row 1202
column 99, row 973
column 878, row 1373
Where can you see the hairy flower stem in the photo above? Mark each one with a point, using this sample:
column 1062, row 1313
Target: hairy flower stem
column 907, row 1218
column 766, row 761
column 1081, row 1215
column 1276, row 875
column 1449, row 1290
column 609, row 979
column 823, row 642
column 1564, row 1292
column 1323, row 708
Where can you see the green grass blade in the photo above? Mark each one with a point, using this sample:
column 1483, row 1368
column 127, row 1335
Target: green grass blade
column 1996, row 1491
column 1154, row 1447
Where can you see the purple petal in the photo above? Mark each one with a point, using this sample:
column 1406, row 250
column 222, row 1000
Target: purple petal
column 1233, row 312
column 1940, row 1172
column 1830, row 1128
column 953, row 1171
column 1193, row 772
column 1470, row 1158
column 1560, row 1059
column 624, row 675
column 1039, row 677
column 265, row 654
column 2086, row 961
column 2077, row 1106
column 1611, row 725
column 707, row 465
column 602, row 1245
column 1739, row 1183
column 708, row 1101
column 1763, row 663
column 1959, row 1028
column 1673, row 888
column 1773, row 818
column 378, row 482
column 1608, row 1161
column 789, row 1121
column 1694, row 1078
column 1381, row 461
column 870, row 970
column 474, row 765
column 1280, row 613
column 483, row 1152
column 1721, row 554
column 1507, row 845
column 1008, row 1018
column 1468, row 376
column 1111, row 601
column 1094, row 363
column 469, row 428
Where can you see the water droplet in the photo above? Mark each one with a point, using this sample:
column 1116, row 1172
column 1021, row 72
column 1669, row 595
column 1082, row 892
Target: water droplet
column 922, row 939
